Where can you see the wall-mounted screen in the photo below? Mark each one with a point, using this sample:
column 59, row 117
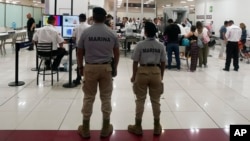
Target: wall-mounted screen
column 58, row 21
column 70, row 20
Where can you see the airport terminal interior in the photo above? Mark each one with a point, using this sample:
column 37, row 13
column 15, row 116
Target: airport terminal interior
column 195, row 106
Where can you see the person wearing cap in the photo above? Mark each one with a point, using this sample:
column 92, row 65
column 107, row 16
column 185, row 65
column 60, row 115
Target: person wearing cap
column 150, row 55
column 48, row 34
column 77, row 32
column 98, row 45
column 233, row 36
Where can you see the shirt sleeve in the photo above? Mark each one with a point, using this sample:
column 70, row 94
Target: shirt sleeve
column 163, row 54
column 81, row 41
column 59, row 38
column 116, row 41
column 136, row 54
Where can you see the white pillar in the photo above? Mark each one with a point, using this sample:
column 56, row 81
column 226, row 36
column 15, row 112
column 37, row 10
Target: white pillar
column 142, row 2
column 127, row 8
column 115, row 14
column 205, row 12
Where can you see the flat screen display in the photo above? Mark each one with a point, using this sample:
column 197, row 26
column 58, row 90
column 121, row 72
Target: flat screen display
column 70, row 20
column 68, row 31
column 58, row 21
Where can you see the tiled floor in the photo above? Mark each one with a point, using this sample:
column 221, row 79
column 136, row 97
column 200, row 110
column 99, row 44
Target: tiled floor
column 197, row 106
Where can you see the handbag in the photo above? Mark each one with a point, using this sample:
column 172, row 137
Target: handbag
column 185, row 42
column 199, row 43
column 211, row 43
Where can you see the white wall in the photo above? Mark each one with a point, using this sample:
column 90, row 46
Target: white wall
column 97, row 2
column 79, row 6
column 236, row 10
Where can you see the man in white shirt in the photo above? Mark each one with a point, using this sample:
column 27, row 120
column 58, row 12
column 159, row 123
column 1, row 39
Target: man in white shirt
column 78, row 30
column 49, row 34
column 233, row 36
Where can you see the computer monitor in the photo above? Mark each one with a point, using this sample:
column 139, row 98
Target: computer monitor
column 58, row 19
column 70, row 21
column 68, row 31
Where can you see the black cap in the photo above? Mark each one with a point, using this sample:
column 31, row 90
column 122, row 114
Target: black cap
column 99, row 11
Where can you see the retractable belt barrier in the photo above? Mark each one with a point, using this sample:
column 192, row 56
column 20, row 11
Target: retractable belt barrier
column 19, row 45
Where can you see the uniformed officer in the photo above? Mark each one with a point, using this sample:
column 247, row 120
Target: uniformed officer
column 98, row 44
column 151, row 56
column 233, row 36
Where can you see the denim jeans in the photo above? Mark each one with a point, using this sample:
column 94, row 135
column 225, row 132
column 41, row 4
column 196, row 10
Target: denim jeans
column 173, row 47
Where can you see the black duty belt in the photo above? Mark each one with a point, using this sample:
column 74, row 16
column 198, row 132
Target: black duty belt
column 98, row 63
column 149, row 65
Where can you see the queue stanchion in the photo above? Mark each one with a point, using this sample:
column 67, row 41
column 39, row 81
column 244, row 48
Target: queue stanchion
column 70, row 84
column 19, row 45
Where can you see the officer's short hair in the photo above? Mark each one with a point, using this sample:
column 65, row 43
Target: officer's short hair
column 225, row 22
column 150, row 29
column 231, row 22
column 82, row 17
column 170, row 21
column 51, row 19
column 99, row 14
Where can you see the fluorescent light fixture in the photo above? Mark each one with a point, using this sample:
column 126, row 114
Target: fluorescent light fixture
column 183, row 2
column 190, row 0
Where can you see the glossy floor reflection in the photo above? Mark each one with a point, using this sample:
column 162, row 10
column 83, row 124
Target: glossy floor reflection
column 118, row 135
column 196, row 106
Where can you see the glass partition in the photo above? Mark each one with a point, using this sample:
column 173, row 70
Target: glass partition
column 26, row 10
column 13, row 15
column 2, row 13
column 37, row 14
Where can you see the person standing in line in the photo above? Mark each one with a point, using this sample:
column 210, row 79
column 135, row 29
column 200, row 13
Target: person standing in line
column 233, row 36
column 243, row 38
column 98, row 45
column 78, row 30
column 223, row 31
column 31, row 25
column 194, row 49
column 203, row 35
column 151, row 56
column 172, row 32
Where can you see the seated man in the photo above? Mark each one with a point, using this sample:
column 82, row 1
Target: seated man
column 49, row 34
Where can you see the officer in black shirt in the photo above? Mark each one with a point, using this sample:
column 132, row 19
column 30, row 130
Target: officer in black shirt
column 30, row 29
